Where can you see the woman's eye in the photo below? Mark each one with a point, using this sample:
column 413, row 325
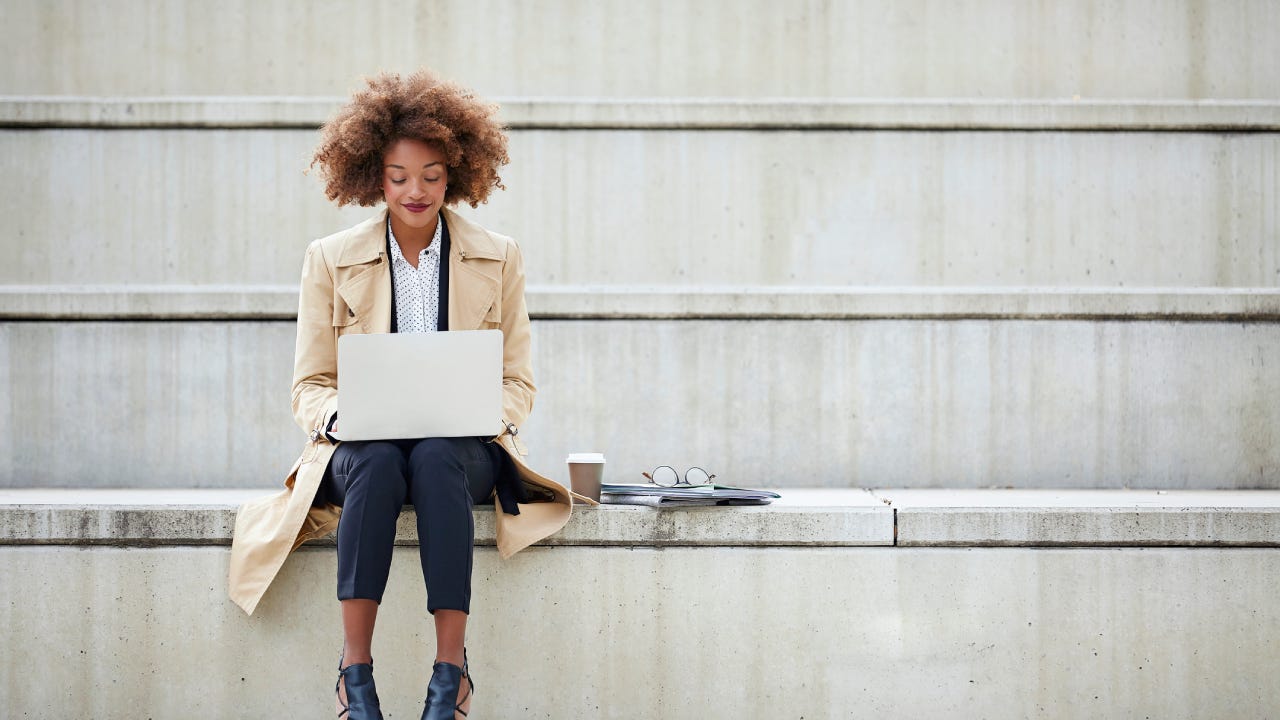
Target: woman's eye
column 397, row 182
column 434, row 179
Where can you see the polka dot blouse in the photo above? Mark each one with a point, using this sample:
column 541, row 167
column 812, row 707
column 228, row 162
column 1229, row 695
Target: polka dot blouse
column 417, row 289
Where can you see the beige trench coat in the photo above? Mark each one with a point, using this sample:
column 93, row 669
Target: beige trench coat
column 346, row 288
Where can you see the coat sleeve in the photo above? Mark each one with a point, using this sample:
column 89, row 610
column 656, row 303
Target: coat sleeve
column 315, row 356
column 517, row 364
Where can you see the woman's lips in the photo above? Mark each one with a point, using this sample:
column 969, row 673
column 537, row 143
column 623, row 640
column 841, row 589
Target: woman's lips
column 415, row 208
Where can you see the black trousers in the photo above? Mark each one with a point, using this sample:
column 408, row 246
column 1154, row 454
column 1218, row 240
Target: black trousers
column 443, row 478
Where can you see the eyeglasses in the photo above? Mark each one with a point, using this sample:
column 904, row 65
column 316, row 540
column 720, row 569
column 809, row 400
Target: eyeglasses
column 666, row 476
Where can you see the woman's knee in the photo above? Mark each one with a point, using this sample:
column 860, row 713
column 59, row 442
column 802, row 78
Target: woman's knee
column 378, row 462
column 439, row 454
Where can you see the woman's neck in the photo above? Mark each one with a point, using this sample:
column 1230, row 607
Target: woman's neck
column 413, row 241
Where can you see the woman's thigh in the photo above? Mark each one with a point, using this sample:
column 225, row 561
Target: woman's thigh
column 437, row 460
column 379, row 460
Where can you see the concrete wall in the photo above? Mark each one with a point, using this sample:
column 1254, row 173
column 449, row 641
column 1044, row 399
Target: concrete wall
column 873, row 48
column 679, row 632
column 681, row 208
column 959, row 403
column 977, row 168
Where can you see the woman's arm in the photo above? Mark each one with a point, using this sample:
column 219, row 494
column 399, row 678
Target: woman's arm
column 315, row 356
column 517, row 366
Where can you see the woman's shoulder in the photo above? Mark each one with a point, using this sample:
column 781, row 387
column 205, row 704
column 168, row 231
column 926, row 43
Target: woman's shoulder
column 353, row 244
column 479, row 239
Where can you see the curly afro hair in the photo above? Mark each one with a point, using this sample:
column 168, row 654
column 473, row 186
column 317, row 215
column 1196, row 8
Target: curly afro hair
column 420, row 107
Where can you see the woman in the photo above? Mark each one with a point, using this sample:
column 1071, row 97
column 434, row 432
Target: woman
column 419, row 145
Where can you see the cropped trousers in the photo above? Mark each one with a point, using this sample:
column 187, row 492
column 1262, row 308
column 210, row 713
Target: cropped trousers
column 443, row 478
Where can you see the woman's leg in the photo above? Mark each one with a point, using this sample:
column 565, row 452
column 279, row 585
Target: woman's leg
column 358, row 618
column 447, row 477
column 451, row 636
column 368, row 480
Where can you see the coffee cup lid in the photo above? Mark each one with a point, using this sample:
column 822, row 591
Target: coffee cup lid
column 585, row 458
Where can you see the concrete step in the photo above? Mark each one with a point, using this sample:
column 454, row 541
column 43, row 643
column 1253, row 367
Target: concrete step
column 868, row 48
column 602, row 302
column 667, row 113
column 1137, row 628
column 705, row 207
column 837, row 403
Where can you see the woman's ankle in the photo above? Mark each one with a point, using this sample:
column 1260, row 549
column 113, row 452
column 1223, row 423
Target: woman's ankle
column 450, row 658
column 349, row 659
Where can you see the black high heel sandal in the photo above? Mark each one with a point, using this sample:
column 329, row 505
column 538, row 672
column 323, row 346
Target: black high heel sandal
column 362, row 696
column 446, row 681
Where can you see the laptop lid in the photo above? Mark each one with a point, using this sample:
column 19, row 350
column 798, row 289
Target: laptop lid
column 419, row 385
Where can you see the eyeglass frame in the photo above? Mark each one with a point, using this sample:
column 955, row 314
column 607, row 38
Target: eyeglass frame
column 680, row 481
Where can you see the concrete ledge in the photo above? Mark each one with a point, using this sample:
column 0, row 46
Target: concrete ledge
column 279, row 302
column 924, row 631
column 1186, row 518
column 803, row 517
column 827, row 518
column 525, row 113
column 149, row 302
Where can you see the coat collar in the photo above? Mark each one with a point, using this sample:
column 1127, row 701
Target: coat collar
column 467, row 240
column 473, row 286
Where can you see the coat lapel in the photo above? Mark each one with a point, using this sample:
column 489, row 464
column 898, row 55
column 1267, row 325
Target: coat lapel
column 475, row 273
column 364, row 275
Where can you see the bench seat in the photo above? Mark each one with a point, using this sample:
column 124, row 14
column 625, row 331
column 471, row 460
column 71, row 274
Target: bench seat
column 988, row 603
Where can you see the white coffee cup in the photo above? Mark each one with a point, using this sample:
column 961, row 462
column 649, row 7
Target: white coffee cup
column 586, row 471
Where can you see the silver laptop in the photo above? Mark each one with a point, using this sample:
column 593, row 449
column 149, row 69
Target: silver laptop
column 419, row 385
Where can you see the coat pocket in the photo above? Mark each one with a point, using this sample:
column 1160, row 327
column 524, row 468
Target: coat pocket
column 492, row 317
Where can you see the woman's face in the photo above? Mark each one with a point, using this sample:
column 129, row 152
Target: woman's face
column 414, row 178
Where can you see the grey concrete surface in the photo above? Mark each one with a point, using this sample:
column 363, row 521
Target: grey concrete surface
column 945, row 403
column 754, row 48
column 1084, row 517
column 669, row 113
column 1057, row 498
column 1104, row 527
column 151, row 498
column 601, row 302
column 576, row 632
column 801, row 517
column 149, row 302
column 638, row 208
column 826, row 518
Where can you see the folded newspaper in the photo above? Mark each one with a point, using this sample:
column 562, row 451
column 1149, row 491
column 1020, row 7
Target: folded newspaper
column 683, row 495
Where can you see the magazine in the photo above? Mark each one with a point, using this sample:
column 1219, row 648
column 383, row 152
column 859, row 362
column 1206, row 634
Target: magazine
column 682, row 495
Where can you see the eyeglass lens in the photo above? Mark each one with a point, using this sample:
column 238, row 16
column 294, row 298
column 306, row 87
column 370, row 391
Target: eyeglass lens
column 665, row 476
column 697, row 476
